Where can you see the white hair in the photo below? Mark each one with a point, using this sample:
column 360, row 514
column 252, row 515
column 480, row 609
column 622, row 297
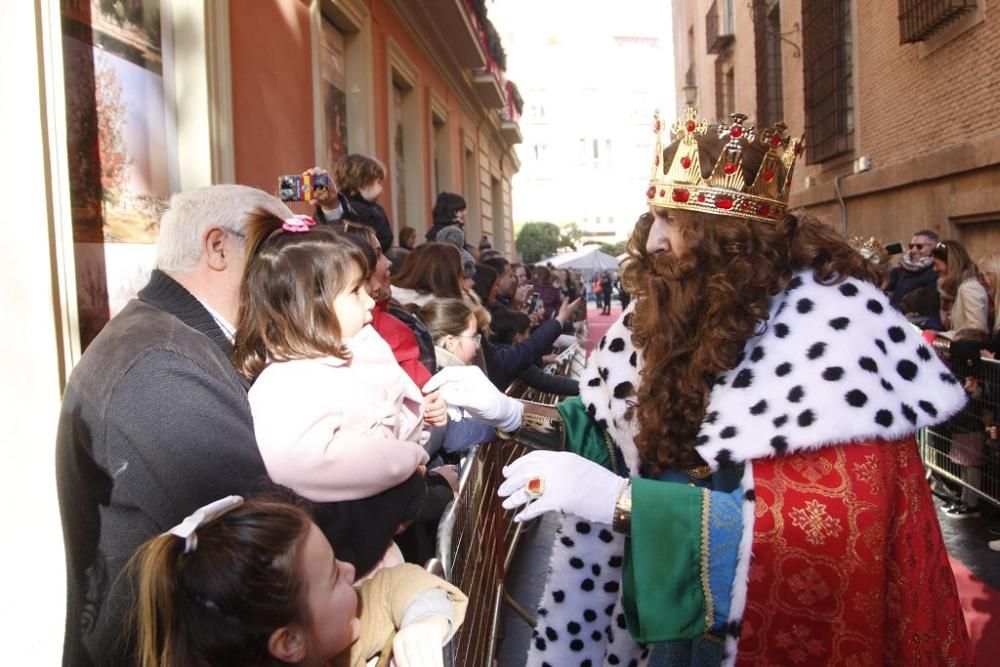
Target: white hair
column 192, row 213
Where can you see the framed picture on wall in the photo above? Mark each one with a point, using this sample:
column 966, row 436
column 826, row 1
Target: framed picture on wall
column 120, row 147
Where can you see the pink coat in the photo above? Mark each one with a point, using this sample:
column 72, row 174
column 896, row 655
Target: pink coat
column 331, row 429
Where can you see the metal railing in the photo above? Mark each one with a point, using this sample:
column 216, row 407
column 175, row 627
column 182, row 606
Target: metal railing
column 965, row 450
column 477, row 538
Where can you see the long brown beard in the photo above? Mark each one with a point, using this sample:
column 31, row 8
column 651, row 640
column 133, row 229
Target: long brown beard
column 691, row 325
column 694, row 316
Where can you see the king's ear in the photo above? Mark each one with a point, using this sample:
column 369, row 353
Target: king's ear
column 288, row 644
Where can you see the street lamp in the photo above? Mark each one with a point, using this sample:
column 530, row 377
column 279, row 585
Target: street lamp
column 690, row 91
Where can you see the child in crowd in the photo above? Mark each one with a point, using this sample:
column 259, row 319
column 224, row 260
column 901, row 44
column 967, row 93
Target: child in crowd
column 510, row 328
column 359, row 179
column 454, row 328
column 335, row 416
column 255, row 582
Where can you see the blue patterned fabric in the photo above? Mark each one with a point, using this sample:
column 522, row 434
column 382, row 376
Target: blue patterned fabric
column 725, row 529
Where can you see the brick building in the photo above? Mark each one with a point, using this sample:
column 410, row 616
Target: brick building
column 898, row 102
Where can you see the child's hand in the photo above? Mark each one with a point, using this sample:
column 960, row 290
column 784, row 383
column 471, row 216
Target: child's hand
column 419, row 643
column 435, row 410
column 550, row 359
column 324, row 197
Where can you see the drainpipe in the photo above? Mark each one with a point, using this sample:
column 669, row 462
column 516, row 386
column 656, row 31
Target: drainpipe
column 843, row 205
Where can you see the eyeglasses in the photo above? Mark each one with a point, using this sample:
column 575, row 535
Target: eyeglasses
column 477, row 337
column 918, row 245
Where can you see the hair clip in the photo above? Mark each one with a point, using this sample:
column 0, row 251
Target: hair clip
column 186, row 528
column 298, row 223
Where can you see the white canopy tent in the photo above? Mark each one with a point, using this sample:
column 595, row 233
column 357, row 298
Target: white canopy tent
column 588, row 261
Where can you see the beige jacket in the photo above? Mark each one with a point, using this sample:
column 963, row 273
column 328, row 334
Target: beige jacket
column 970, row 310
column 385, row 600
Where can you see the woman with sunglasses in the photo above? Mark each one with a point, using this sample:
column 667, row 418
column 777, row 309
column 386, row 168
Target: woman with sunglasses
column 964, row 302
column 965, row 315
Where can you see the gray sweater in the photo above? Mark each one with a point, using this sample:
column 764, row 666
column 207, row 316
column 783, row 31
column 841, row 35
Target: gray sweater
column 154, row 424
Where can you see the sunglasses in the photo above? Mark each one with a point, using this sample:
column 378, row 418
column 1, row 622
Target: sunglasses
column 918, row 245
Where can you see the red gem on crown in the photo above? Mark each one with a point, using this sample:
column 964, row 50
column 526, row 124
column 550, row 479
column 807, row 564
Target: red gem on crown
column 651, row 192
column 662, row 192
column 768, row 175
column 729, row 168
column 736, row 131
column 680, row 196
column 657, row 160
column 776, row 140
column 764, row 210
column 691, row 126
column 685, row 162
column 723, row 202
column 701, row 197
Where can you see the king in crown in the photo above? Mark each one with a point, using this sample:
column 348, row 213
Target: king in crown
column 754, row 187
column 741, row 481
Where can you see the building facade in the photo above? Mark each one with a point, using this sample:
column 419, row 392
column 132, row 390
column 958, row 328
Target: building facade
column 589, row 102
column 165, row 95
column 897, row 102
column 116, row 105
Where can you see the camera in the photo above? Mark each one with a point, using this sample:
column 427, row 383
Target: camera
column 298, row 187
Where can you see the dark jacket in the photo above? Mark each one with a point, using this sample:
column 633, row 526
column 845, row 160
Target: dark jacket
column 536, row 378
column 358, row 209
column 154, row 424
column 505, row 362
column 902, row 282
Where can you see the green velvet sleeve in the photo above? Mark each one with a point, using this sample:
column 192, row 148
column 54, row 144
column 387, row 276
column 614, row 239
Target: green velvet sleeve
column 664, row 594
column 581, row 435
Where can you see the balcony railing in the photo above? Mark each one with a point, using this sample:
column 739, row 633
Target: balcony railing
column 719, row 26
column 510, row 118
column 919, row 19
column 488, row 82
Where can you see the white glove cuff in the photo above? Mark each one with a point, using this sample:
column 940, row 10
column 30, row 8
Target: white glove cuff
column 512, row 416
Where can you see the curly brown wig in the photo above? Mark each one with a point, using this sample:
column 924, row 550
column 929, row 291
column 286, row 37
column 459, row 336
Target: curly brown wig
column 694, row 314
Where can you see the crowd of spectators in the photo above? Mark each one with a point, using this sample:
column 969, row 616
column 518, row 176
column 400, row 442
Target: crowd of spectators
column 938, row 286
column 300, row 388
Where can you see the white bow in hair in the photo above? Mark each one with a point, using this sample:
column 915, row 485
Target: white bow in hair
column 186, row 528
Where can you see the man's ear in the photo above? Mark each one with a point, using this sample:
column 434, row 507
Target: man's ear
column 288, row 644
column 215, row 249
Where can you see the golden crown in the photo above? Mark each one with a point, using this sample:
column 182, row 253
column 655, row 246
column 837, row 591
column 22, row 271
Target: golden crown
column 871, row 249
column 680, row 185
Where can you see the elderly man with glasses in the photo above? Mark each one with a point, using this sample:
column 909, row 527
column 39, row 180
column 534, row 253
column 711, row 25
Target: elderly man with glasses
column 913, row 284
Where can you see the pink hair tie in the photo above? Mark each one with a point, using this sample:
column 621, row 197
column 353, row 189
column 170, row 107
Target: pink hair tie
column 298, row 223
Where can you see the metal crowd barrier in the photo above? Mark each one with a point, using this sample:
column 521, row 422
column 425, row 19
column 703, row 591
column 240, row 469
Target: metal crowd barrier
column 965, row 450
column 477, row 538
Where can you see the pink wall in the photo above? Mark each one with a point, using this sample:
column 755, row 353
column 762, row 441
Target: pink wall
column 272, row 90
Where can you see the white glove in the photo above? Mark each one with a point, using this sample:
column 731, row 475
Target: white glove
column 467, row 387
column 419, row 643
column 571, row 484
